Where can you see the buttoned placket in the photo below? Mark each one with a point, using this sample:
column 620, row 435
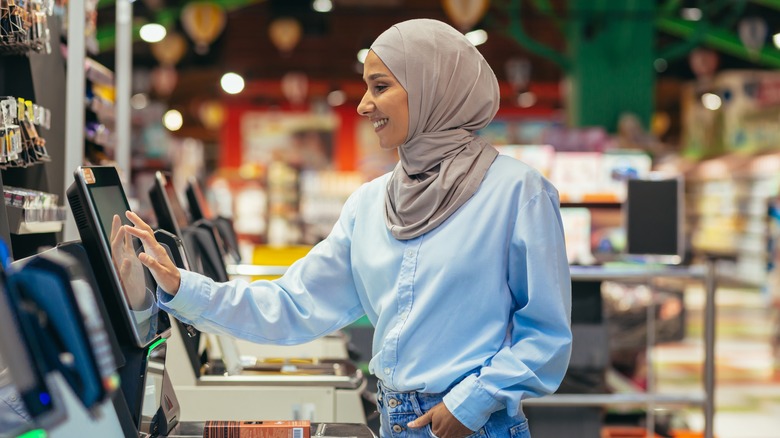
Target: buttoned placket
column 404, row 300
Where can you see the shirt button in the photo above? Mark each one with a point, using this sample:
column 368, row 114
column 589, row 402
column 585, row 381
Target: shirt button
column 392, row 402
column 387, row 371
column 397, row 428
column 12, row 398
column 409, row 253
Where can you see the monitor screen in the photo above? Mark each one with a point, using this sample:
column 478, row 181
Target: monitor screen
column 171, row 216
column 199, row 206
column 200, row 210
column 127, row 289
column 653, row 217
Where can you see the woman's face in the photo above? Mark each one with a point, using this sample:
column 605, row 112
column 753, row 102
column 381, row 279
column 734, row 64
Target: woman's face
column 384, row 103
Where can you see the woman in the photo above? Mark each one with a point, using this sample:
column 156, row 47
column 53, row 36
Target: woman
column 457, row 256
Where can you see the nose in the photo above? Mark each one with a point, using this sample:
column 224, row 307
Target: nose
column 366, row 105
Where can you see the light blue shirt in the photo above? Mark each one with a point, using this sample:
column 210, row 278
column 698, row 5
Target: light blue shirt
column 481, row 304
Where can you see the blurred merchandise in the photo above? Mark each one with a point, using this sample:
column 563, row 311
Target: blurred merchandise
column 323, row 194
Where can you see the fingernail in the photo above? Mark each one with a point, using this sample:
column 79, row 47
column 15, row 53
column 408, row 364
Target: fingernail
column 411, row 424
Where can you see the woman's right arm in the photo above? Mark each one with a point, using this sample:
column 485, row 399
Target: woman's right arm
column 316, row 296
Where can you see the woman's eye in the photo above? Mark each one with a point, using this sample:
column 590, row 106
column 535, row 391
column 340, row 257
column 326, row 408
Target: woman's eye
column 379, row 88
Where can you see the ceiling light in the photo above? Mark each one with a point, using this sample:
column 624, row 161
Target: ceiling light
column 776, row 40
column 322, row 5
column 152, row 32
column 362, row 53
column 710, row 101
column 232, row 83
column 173, row 120
column 691, row 14
column 477, row 37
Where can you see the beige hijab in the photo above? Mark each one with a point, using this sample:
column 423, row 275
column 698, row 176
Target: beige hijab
column 452, row 92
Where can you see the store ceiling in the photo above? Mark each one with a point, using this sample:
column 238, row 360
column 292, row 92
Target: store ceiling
column 327, row 50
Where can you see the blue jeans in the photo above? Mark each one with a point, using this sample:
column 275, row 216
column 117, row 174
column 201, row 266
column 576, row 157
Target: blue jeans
column 399, row 408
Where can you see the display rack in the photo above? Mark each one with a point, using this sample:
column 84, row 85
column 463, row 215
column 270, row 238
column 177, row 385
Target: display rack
column 651, row 399
column 729, row 200
column 39, row 77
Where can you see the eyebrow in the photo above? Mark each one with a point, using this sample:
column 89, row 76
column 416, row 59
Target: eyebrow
column 376, row 76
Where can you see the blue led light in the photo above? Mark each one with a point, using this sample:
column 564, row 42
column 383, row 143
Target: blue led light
column 45, row 398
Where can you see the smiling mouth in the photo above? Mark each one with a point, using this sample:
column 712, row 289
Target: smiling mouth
column 380, row 123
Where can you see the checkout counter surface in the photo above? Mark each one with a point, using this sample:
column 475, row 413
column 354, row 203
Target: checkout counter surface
column 194, row 429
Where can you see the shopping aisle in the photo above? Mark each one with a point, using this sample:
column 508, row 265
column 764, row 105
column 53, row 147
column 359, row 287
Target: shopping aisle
column 747, row 391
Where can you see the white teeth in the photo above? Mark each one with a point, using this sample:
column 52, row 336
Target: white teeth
column 379, row 123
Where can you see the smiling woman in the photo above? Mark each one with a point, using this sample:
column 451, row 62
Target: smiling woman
column 456, row 257
column 385, row 103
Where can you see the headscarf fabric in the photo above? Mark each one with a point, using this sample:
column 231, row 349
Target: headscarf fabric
column 452, row 92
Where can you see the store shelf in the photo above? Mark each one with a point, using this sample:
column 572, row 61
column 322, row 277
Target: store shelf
column 18, row 222
column 706, row 274
column 571, row 400
column 635, row 272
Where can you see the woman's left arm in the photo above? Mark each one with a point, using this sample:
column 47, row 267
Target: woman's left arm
column 535, row 361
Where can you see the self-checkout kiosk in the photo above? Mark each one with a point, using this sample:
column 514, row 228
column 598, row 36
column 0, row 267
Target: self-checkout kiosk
column 126, row 288
column 326, row 391
column 332, row 346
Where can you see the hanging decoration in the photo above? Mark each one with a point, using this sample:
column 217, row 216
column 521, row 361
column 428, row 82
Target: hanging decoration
column 170, row 49
column 164, row 79
column 465, row 13
column 285, row 33
column 203, row 22
column 295, row 87
column 703, row 62
column 752, row 32
column 211, row 114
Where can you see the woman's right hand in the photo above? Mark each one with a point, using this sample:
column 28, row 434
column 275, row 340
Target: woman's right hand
column 154, row 255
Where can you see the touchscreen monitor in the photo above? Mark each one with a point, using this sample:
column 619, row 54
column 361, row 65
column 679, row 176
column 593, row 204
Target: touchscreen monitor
column 196, row 199
column 171, row 216
column 128, row 291
column 200, row 210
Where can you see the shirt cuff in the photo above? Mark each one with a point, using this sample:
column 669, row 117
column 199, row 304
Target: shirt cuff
column 193, row 296
column 470, row 403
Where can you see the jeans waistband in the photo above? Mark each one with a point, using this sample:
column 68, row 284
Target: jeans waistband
column 395, row 401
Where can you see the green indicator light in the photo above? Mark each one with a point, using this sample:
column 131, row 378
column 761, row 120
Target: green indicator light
column 36, row 433
column 153, row 346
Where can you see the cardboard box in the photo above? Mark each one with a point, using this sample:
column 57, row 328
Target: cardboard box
column 257, row 429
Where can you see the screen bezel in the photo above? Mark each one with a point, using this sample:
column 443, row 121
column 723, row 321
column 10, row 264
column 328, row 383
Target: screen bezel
column 99, row 249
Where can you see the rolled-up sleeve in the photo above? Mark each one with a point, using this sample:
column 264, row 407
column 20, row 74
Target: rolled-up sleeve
column 534, row 360
column 316, row 296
